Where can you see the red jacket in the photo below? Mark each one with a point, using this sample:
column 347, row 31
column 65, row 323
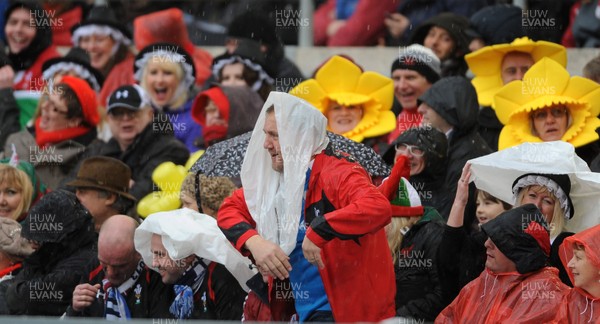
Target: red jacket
column 347, row 215
column 32, row 77
column 507, row 298
column 121, row 74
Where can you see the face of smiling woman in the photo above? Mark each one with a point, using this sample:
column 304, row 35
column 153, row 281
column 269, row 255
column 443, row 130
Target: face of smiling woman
column 342, row 119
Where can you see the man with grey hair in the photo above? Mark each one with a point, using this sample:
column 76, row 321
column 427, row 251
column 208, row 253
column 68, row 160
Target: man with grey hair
column 141, row 138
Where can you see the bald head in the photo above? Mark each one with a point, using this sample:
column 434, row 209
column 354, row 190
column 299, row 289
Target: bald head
column 116, row 251
column 118, row 230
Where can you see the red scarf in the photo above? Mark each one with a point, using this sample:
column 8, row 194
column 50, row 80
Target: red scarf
column 43, row 138
column 10, row 269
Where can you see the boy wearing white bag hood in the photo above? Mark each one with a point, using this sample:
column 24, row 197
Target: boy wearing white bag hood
column 191, row 253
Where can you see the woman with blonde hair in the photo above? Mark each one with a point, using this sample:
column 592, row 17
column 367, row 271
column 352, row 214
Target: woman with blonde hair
column 167, row 73
column 550, row 193
column 20, row 188
column 413, row 236
column 15, row 189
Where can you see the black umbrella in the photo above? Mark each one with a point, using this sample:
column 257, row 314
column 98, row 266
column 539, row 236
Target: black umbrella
column 225, row 158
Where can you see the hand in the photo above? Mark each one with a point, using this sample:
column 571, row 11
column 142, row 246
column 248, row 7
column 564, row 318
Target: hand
column 312, row 253
column 396, row 24
column 462, row 187
column 84, row 295
column 269, row 257
column 7, row 76
column 334, row 26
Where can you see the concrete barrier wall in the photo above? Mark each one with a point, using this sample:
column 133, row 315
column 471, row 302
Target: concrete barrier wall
column 380, row 59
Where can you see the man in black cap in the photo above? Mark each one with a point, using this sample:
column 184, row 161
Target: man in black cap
column 141, row 138
column 516, row 285
column 102, row 187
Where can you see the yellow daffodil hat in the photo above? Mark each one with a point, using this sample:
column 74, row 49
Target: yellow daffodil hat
column 486, row 62
column 342, row 81
column 548, row 83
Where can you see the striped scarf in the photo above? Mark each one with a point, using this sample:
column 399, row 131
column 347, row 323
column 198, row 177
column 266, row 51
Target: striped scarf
column 186, row 286
column 115, row 305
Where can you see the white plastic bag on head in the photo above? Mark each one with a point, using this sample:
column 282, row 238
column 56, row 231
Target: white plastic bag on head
column 496, row 173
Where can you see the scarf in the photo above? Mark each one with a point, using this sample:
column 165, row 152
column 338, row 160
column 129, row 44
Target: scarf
column 6, row 274
column 190, row 281
column 115, row 305
column 44, row 138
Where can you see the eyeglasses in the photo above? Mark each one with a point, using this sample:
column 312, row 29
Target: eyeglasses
column 542, row 114
column 120, row 113
column 413, row 149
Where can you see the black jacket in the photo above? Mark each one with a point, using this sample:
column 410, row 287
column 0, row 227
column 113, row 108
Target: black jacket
column 49, row 276
column 419, row 291
column 152, row 302
column 462, row 259
column 455, row 100
column 489, row 127
column 9, row 116
column 151, row 148
column 219, row 297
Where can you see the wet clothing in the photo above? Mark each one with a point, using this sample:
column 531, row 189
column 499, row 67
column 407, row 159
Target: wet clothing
column 65, row 230
column 579, row 306
column 508, row 298
column 345, row 215
column 418, row 286
column 462, row 259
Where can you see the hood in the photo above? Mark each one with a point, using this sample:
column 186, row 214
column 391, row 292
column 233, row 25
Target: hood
column 455, row 100
column 455, row 25
column 590, row 240
column 522, row 235
column 57, row 218
column 42, row 39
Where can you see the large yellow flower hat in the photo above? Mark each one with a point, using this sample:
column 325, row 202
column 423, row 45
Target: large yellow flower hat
column 342, row 81
column 548, row 83
column 486, row 62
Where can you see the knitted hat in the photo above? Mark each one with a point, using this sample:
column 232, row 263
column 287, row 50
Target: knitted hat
column 132, row 97
column 406, row 201
column 402, row 195
column 548, row 83
column 78, row 60
column 342, row 81
column 486, row 63
column 420, row 59
column 557, row 184
column 86, row 97
column 11, row 241
column 522, row 235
